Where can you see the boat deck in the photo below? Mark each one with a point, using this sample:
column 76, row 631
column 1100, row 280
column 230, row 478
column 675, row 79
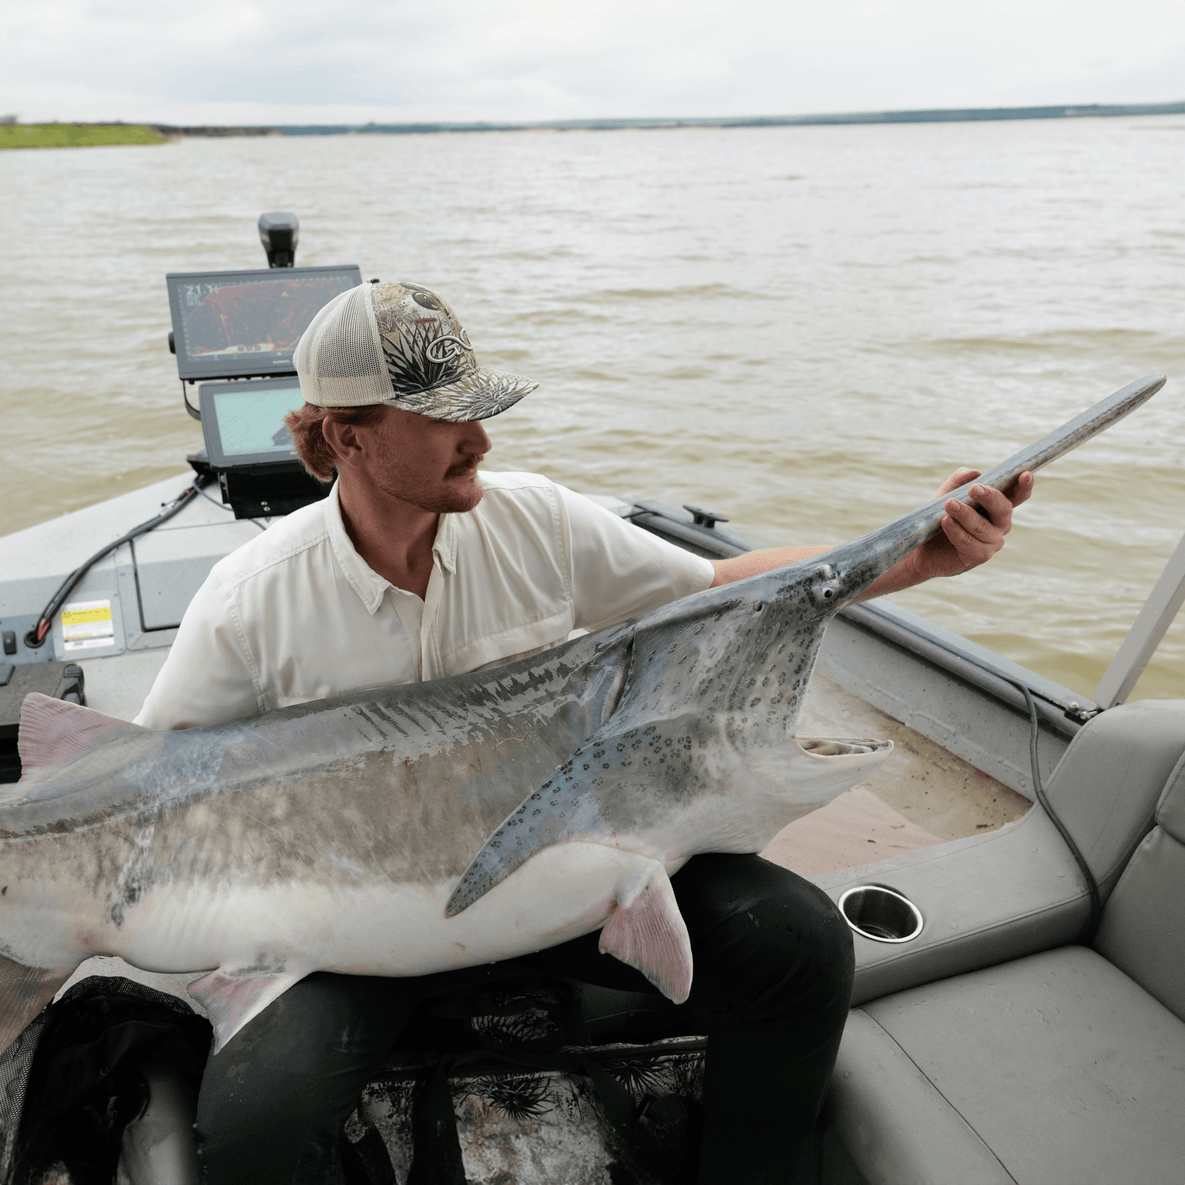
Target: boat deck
column 923, row 794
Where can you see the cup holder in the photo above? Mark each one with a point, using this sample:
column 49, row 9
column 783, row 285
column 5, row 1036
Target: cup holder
column 881, row 914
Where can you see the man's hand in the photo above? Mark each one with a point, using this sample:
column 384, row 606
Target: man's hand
column 966, row 539
column 968, row 536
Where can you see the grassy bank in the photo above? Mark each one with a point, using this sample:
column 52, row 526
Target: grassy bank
column 76, row 135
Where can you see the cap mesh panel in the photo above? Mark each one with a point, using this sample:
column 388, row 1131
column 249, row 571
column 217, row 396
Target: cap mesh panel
column 338, row 358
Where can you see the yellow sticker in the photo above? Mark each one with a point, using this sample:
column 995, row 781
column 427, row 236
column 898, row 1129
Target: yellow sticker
column 87, row 625
column 78, row 616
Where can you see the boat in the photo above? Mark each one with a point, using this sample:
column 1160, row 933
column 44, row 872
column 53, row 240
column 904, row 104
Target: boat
column 1015, row 878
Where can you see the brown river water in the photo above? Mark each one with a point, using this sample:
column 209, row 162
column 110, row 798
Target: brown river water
column 805, row 329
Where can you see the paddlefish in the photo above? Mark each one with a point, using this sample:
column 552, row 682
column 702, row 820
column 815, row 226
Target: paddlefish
column 421, row 827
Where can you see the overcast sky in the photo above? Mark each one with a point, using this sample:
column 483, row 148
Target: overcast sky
column 296, row 61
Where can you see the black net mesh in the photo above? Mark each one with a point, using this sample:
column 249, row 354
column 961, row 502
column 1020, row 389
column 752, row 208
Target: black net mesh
column 15, row 1064
column 70, row 1082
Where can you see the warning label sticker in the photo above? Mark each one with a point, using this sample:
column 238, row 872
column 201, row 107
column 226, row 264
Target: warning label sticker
column 87, row 624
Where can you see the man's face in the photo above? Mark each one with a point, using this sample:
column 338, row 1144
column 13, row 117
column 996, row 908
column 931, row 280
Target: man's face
column 430, row 464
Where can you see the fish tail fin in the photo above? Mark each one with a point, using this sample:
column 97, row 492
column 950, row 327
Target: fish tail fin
column 53, row 732
column 24, row 992
column 647, row 932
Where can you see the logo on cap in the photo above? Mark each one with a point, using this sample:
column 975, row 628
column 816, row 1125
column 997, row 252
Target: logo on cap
column 422, row 353
column 448, row 346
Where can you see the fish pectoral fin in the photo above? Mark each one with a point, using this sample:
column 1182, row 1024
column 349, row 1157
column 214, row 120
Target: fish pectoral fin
column 647, row 931
column 24, row 991
column 233, row 999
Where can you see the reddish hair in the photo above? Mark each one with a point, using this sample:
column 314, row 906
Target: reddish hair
column 310, row 443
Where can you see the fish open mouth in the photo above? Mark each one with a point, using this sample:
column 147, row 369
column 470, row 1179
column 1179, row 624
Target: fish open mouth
column 835, row 747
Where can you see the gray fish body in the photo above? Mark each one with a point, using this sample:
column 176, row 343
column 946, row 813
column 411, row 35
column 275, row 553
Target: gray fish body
column 400, row 785
column 442, row 824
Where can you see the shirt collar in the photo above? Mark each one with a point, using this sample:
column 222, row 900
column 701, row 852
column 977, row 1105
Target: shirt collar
column 361, row 577
column 445, row 546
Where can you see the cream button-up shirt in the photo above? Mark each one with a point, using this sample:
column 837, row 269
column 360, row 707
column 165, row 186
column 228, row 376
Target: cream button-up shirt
column 297, row 615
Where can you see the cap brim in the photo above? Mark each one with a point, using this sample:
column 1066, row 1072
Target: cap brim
column 478, row 396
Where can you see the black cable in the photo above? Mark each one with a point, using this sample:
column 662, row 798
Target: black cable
column 36, row 636
column 1096, row 903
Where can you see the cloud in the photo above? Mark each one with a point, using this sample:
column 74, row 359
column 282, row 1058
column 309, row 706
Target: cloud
column 298, row 61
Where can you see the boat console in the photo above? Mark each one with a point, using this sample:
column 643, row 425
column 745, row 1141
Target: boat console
column 241, row 328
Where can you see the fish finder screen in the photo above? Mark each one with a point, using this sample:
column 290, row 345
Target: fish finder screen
column 253, row 422
column 244, row 422
column 247, row 323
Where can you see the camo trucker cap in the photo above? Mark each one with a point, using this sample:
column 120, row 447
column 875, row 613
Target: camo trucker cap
column 402, row 345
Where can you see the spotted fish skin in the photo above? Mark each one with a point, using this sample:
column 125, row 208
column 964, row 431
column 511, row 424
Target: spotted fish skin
column 715, row 681
column 711, row 682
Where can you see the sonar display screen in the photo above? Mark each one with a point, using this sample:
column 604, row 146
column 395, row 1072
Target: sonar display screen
column 239, row 324
column 243, row 423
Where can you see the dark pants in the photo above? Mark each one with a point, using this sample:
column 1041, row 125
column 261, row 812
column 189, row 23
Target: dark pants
column 773, row 969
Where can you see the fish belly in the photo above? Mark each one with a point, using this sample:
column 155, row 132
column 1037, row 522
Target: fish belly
column 380, row 927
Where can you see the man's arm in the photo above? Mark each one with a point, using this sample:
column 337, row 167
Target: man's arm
column 966, row 539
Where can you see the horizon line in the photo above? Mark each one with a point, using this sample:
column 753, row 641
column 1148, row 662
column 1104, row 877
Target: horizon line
column 912, row 115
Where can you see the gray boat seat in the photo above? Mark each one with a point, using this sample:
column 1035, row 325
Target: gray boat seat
column 996, row 1049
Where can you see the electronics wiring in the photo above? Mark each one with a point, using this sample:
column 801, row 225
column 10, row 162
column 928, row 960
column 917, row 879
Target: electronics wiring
column 37, row 635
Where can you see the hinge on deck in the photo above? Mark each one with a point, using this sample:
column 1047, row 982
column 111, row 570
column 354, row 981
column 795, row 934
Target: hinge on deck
column 1079, row 714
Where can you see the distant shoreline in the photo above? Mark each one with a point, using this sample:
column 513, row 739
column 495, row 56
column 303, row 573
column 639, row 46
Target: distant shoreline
column 936, row 115
column 77, row 135
column 13, row 135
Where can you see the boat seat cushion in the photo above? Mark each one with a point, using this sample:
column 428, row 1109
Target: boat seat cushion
column 1017, row 891
column 1108, row 785
column 1143, row 925
column 1053, row 1068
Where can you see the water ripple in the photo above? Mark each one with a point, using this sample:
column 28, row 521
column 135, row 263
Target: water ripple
column 808, row 358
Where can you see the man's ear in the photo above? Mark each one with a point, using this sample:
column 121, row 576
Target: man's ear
column 342, row 440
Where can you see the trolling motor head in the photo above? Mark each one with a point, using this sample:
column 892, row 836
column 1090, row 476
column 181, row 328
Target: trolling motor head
column 279, row 232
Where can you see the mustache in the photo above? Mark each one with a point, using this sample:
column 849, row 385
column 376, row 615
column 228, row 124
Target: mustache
column 469, row 465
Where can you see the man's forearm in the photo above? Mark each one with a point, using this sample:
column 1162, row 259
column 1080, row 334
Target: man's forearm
column 902, row 575
column 753, row 563
column 968, row 536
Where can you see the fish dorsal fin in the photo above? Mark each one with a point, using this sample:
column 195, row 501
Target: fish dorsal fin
column 233, row 997
column 53, row 732
column 647, row 931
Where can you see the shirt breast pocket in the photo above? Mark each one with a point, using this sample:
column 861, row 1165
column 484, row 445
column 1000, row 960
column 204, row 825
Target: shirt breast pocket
column 517, row 641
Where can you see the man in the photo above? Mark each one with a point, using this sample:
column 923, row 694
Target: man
column 414, row 569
